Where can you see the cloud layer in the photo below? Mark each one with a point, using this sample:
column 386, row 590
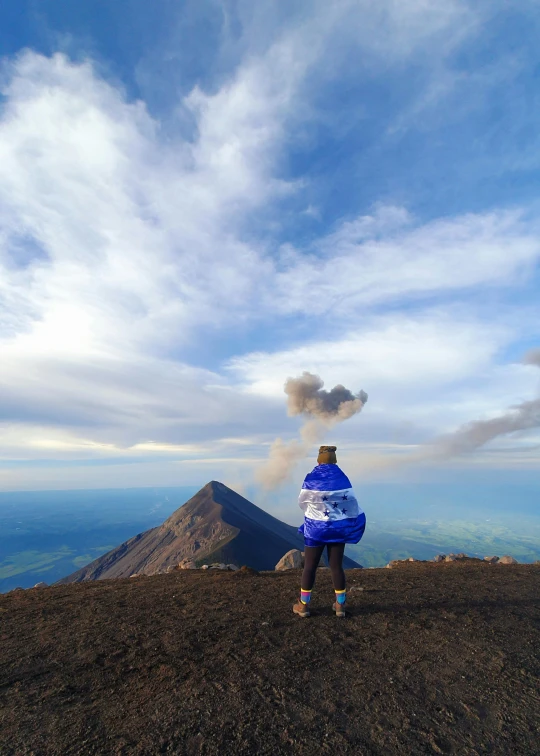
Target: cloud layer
column 154, row 296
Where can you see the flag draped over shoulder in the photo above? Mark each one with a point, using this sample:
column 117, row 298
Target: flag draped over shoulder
column 331, row 511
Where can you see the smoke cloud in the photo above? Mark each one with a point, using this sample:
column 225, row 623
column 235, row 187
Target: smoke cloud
column 532, row 357
column 468, row 438
column 322, row 409
column 306, row 396
column 472, row 436
column 284, row 456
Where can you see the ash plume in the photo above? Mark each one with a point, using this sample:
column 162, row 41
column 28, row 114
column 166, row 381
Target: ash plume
column 306, row 396
column 284, row 456
column 532, row 357
column 322, row 409
column 471, row 436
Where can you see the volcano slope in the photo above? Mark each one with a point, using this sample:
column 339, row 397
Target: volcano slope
column 433, row 659
column 215, row 525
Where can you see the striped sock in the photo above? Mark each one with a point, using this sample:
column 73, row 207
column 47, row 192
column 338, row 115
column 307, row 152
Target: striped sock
column 341, row 596
column 305, row 596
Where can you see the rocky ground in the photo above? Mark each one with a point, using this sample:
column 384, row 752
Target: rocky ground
column 433, row 659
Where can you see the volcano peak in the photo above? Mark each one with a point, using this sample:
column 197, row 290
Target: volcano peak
column 216, row 525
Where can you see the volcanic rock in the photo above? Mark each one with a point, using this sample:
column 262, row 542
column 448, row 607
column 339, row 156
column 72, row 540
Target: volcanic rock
column 491, row 559
column 292, row 560
column 245, row 571
column 217, row 525
column 507, row 560
column 437, row 661
column 439, row 558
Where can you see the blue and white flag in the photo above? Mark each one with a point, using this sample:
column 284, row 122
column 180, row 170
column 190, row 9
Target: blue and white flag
column 331, row 511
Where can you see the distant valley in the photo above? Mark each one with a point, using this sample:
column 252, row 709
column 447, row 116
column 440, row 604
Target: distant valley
column 47, row 535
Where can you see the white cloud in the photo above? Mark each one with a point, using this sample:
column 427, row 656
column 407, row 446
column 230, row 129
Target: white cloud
column 391, row 350
column 391, row 29
column 423, row 375
column 372, row 259
column 119, row 229
column 120, row 247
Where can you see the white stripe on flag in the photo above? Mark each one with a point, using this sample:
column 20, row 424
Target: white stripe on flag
column 329, row 505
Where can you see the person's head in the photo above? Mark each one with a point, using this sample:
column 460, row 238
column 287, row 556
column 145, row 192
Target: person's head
column 327, row 455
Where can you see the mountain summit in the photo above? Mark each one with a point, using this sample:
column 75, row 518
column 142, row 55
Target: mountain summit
column 438, row 658
column 215, row 525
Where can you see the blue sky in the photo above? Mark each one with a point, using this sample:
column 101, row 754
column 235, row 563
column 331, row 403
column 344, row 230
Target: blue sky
column 198, row 200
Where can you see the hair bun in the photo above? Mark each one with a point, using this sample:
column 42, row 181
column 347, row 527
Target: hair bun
column 327, row 455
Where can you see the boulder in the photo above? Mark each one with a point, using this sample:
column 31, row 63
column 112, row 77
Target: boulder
column 205, row 567
column 450, row 558
column 245, row 570
column 41, row 585
column 292, row 560
column 439, row 558
column 187, row 564
column 218, row 566
column 461, row 555
column 232, row 567
column 507, row 560
column 491, row 559
column 412, row 559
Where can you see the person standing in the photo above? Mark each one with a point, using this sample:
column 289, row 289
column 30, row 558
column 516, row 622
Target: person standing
column 332, row 518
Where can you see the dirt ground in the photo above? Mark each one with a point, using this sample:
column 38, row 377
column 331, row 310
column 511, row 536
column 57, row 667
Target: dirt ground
column 437, row 659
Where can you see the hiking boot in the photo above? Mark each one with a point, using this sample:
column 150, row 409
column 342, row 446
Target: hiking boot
column 339, row 609
column 302, row 610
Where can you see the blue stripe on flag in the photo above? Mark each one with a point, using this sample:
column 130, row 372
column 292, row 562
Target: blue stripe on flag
column 326, row 478
column 319, row 532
